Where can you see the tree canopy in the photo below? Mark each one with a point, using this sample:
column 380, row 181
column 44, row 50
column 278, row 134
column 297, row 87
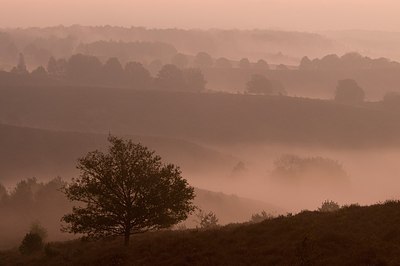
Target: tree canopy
column 126, row 191
column 348, row 91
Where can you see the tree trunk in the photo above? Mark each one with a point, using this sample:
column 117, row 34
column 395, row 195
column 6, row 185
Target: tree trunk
column 126, row 238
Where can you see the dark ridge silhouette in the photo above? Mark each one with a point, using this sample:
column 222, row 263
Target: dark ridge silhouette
column 308, row 238
column 32, row 201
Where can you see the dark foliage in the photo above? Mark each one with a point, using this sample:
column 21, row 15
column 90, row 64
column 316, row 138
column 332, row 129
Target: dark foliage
column 203, row 59
column 348, row 91
column 295, row 169
column 126, row 191
column 347, row 61
column 31, row 243
column 259, row 84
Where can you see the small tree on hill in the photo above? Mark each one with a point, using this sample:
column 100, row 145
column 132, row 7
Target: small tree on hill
column 126, row 191
column 21, row 66
column 207, row 220
column 348, row 91
column 259, row 217
column 329, row 206
column 31, row 243
column 38, row 229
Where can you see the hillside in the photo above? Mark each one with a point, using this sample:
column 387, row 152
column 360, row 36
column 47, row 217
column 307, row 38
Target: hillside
column 47, row 153
column 200, row 117
column 351, row 236
column 308, row 83
column 35, row 201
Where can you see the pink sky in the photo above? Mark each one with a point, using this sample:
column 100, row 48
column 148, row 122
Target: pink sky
column 307, row 15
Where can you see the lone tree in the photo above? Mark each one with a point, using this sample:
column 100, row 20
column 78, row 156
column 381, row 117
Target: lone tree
column 348, row 92
column 126, row 191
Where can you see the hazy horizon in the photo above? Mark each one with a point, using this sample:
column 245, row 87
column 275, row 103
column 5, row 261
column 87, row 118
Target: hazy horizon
column 189, row 14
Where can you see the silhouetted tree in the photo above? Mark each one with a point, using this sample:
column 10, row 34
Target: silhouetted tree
column 31, row 243
column 261, row 65
column 39, row 72
column 38, row 229
column 170, row 78
column 112, row 73
column 126, row 191
column 57, row 68
column 137, row 76
column 259, row 217
column 259, row 84
column 329, row 206
column 207, row 220
column 329, row 62
column 223, row 62
column 244, row 63
column 294, row 169
column 194, row 79
column 203, row 59
column 84, row 69
column 348, row 91
column 354, row 61
column 180, row 60
column 305, row 64
column 21, row 66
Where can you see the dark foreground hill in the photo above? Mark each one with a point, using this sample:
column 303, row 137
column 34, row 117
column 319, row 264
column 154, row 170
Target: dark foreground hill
column 352, row 236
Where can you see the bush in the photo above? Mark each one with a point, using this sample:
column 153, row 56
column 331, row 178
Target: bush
column 329, row 206
column 31, row 243
column 207, row 220
column 38, row 229
column 259, row 217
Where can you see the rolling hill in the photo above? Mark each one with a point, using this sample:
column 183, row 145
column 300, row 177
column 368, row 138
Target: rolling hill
column 28, row 152
column 200, row 117
column 353, row 235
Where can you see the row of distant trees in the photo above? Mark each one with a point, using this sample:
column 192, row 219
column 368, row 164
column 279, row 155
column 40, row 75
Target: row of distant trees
column 349, row 92
column 88, row 70
column 345, row 62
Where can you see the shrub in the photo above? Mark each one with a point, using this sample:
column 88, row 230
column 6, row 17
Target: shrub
column 207, row 220
column 259, row 217
column 37, row 229
column 31, row 243
column 329, row 206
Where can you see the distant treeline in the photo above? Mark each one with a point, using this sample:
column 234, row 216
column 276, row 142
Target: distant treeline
column 347, row 61
column 86, row 70
column 272, row 45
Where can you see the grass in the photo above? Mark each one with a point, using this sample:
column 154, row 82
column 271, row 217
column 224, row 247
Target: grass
column 353, row 235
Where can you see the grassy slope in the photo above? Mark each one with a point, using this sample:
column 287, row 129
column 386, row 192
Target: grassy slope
column 48, row 209
column 352, row 236
column 211, row 118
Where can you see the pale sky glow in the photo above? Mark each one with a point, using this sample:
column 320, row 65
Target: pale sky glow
column 309, row 15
